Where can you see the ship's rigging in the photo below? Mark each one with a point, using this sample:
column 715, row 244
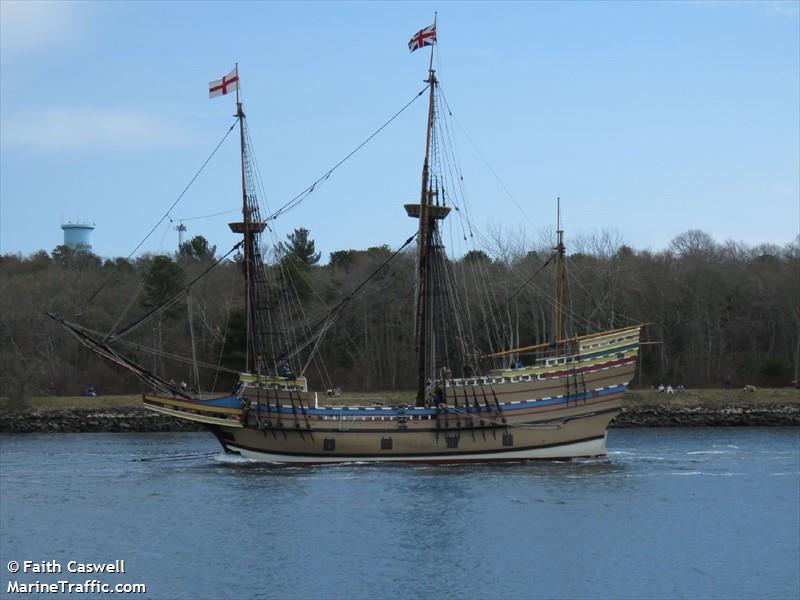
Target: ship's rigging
column 475, row 399
column 454, row 334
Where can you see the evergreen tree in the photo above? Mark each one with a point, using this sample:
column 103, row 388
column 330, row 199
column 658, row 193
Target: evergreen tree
column 162, row 280
column 75, row 258
column 300, row 247
column 197, row 249
column 476, row 257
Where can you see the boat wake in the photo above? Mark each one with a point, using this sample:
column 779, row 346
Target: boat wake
column 232, row 459
column 176, row 457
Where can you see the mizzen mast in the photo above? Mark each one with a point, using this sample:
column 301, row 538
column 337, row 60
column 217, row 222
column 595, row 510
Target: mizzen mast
column 560, row 251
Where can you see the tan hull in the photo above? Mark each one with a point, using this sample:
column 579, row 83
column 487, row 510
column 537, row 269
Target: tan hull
column 557, row 413
column 540, row 433
column 542, row 429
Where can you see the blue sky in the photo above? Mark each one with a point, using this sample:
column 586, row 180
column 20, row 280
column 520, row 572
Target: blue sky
column 648, row 119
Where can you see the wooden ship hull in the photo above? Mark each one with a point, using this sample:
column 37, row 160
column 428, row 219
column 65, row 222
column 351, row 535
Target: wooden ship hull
column 557, row 409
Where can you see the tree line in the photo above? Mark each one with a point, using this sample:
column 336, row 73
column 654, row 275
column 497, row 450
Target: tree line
column 716, row 313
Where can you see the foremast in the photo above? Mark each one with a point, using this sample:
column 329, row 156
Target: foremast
column 250, row 226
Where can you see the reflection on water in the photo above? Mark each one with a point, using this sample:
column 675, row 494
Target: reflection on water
column 714, row 509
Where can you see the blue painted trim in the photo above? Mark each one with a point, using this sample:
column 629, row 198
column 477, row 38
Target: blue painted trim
column 356, row 411
column 393, row 412
column 225, row 401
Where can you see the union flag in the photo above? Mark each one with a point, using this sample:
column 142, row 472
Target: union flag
column 424, row 37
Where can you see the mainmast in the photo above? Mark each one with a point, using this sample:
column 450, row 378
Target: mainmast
column 428, row 214
column 424, row 245
column 560, row 250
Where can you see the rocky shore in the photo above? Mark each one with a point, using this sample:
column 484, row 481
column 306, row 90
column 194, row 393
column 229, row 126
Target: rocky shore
column 730, row 415
column 139, row 420
column 90, row 420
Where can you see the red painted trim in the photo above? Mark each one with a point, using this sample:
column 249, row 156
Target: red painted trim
column 614, row 375
column 559, row 407
column 590, row 368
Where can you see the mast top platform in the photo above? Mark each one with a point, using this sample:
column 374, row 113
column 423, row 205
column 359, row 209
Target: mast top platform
column 435, row 211
column 249, row 226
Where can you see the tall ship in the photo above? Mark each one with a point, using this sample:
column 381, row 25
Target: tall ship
column 550, row 400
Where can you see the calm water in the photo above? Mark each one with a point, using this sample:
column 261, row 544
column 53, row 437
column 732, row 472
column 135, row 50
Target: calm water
column 700, row 513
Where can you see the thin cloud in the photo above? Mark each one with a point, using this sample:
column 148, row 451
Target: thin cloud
column 111, row 130
column 788, row 8
column 783, row 8
column 28, row 27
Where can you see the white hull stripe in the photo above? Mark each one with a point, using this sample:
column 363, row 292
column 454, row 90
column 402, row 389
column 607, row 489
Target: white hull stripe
column 594, row 447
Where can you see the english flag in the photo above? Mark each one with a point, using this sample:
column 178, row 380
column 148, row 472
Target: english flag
column 228, row 83
column 424, row 37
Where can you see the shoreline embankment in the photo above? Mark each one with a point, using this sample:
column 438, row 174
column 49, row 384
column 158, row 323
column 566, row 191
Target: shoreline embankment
column 640, row 409
column 91, row 420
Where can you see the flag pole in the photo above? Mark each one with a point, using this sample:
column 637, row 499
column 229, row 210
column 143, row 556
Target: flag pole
column 238, row 83
column 430, row 66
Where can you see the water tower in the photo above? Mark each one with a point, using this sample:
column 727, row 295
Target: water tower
column 77, row 236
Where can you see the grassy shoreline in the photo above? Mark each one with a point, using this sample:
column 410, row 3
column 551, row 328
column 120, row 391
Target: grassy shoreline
column 641, row 408
column 707, row 398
